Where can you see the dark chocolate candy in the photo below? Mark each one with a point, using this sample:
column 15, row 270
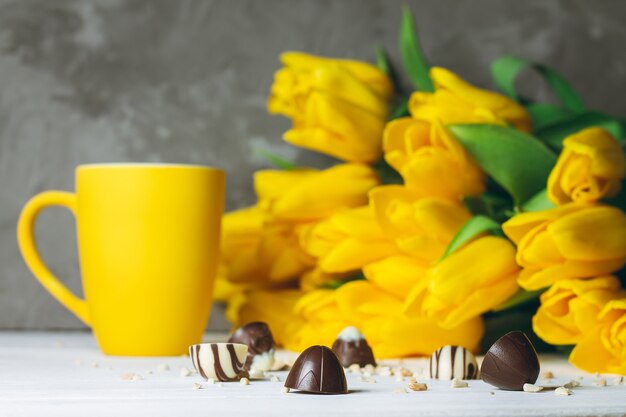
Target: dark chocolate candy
column 352, row 348
column 258, row 337
column 317, row 370
column 510, row 362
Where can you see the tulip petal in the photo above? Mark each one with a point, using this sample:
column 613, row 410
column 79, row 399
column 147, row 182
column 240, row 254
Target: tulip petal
column 591, row 235
column 395, row 274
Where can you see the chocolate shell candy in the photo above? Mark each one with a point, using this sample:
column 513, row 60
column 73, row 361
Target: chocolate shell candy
column 449, row 362
column 317, row 370
column 220, row 361
column 510, row 362
column 352, row 348
column 258, row 337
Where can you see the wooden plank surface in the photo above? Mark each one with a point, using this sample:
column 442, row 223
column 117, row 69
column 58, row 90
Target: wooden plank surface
column 63, row 374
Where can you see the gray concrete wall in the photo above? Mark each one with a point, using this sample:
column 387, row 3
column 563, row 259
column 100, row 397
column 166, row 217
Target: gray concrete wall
column 187, row 81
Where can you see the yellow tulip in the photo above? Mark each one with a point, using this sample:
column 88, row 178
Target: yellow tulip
column 431, row 161
column 304, row 195
column 338, row 107
column 396, row 274
column 316, row 278
column 469, row 282
column 590, row 167
column 570, row 241
column 273, row 307
column 347, row 241
column 379, row 316
column 456, row 101
column 256, row 251
column 603, row 348
column 421, row 227
column 570, row 308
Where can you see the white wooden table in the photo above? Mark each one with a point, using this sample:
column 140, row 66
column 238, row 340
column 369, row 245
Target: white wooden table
column 64, row 374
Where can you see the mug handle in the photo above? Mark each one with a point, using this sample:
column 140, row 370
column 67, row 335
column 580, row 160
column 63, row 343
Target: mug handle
column 26, row 241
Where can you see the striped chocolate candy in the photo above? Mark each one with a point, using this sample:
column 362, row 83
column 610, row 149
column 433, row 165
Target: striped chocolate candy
column 449, row 362
column 220, row 361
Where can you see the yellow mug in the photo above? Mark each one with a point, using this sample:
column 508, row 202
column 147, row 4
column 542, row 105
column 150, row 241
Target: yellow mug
column 148, row 237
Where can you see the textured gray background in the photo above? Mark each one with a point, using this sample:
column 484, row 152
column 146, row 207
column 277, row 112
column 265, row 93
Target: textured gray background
column 187, row 81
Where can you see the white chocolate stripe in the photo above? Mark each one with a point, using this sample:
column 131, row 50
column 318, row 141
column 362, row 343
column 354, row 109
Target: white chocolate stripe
column 450, row 362
column 214, row 360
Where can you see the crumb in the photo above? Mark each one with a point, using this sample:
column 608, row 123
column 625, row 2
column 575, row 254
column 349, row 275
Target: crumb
column 131, row 376
column 399, row 391
column 197, row 386
column 219, row 384
column 418, row 386
column 572, row 384
column 600, row 382
column 164, row 367
column 210, row 381
column 284, row 390
column 532, row 388
column 274, row 378
column 563, row 391
column 244, row 381
column 257, row 373
column 618, row 381
column 185, row 372
column 457, row 383
column 492, row 393
column 369, row 368
column 400, row 371
column 149, row 372
column 547, row 375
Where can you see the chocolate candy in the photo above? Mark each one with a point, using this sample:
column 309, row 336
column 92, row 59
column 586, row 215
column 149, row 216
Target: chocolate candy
column 351, row 347
column 220, row 361
column 511, row 362
column 317, row 370
column 449, row 362
column 257, row 336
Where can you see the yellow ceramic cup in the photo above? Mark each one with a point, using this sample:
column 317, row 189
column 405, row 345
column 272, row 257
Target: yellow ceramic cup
column 148, row 237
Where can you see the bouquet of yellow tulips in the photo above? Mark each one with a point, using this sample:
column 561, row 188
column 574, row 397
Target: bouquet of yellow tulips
column 456, row 213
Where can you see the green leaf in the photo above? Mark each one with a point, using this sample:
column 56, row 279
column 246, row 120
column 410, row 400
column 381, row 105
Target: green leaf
column 517, row 161
column 277, row 160
column 336, row 283
column 538, row 202
column 415, row 63
column 520, row 298
column 472, row 228
column 553, row 135
column 505, row 70
column 386, row 65
column 382, row 61
column 544, row 115
column 401, row 110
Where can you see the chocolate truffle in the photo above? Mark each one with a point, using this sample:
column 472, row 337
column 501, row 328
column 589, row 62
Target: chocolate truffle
column 510, row 362
column 257, row 336
column 449, row 362
column 352, row 348
column 317, row 370
column 220, row 361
